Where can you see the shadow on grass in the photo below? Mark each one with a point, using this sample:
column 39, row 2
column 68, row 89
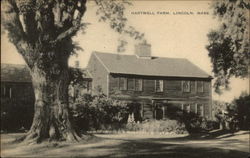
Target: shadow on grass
column 217, row 134
column 148, row 148
column 179, row 147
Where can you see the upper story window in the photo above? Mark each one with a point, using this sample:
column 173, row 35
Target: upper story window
column 138, row 84
column 159, row 85
column 186, row 86
column 200, row 86
column 200, row 109
column 123, row 83
column 131, row 83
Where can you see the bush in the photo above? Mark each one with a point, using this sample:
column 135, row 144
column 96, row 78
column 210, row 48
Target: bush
column 98, row 113
column 197, row 124
column 158, row 126
column 242, row 111
column 235, row 115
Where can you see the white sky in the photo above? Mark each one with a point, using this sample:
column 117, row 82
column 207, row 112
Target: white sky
column 181, row 36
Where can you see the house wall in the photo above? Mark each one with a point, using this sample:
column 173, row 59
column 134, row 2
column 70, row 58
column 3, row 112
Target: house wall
column 172, row 87
column 99, row 75
column 172, row 92
column 17, row 92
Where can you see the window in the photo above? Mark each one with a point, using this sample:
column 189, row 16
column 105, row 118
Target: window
column 138, row 84
column 200, row 86
column 159, row 85
column 186, row 108
column 200, row 109
column 10, row 90
column 123, row 83
column 3, row 91
column 88, row 86
column 159, row 111
column 186, row 86
column 131, row 83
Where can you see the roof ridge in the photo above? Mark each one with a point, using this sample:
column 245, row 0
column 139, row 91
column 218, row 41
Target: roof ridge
column 138, row 58
column 158, row 66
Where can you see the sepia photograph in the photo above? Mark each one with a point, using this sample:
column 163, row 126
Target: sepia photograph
column 125, row 78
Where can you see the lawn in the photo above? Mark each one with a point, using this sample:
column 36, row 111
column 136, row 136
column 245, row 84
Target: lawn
column 214, row 145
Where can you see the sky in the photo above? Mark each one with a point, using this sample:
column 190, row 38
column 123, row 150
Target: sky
column 170, row 35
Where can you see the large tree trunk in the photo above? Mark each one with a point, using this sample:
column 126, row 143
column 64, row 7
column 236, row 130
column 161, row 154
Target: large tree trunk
column 42, row 32
column 51, row 120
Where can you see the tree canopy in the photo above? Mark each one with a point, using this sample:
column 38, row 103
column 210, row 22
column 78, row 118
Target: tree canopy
column 229, row 45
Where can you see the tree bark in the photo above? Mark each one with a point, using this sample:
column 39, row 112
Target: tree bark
column 51, row 120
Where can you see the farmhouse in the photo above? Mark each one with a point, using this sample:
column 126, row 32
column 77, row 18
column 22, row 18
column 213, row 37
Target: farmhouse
column 154, row 86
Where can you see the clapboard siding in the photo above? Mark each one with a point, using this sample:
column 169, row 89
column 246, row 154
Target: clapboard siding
column 172, row 91
column 172, row 87
column 99, row 75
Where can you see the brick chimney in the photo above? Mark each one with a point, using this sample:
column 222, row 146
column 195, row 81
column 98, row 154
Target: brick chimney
column 143, row 50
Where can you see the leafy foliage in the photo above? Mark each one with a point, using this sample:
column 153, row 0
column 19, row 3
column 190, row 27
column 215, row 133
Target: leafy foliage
column 229, row 45
column 165, row 126
column 234, row 115
column 193, row 122
column 99, row 113
column 243, row 111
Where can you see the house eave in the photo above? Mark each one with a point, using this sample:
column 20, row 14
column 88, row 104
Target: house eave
column 163, row 76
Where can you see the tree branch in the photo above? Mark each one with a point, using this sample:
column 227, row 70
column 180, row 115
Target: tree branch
column 73, row 24
column 28, row 15
column 12, row 22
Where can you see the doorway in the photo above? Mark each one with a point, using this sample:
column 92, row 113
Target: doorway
column 159, row 111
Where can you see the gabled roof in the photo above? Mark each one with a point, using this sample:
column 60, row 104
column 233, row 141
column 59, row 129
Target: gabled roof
column 156, row 66
column 20, row 73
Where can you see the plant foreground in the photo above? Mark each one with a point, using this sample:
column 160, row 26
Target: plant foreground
column 216, row 145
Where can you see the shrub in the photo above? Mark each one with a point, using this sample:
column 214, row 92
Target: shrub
column 158, row 126
column 235, row 115
column 197, row 124
column 98, row 113
column 242, row 111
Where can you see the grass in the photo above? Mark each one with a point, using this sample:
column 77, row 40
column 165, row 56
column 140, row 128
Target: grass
column 215, row 145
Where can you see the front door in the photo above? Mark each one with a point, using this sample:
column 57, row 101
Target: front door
column 159, row 111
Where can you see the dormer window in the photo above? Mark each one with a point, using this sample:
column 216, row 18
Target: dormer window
column 159, row 85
